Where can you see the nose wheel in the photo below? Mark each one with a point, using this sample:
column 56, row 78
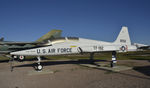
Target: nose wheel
column 39, row 68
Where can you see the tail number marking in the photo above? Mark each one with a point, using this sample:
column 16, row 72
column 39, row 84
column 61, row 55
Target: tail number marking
column 122, row 40
column 98, row 48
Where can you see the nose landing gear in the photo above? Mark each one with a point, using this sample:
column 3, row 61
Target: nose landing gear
column 39, row 67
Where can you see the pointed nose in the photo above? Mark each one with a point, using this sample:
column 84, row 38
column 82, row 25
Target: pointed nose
column 14, row 53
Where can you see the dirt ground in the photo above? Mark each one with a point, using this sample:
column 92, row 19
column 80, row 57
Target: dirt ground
column 68, row 74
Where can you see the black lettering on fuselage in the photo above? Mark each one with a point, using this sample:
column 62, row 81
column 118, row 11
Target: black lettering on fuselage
column 64, row 50
column 44, row 50
column 38, row 51
column 58, row 50
column 51, row 50
column 122, row 40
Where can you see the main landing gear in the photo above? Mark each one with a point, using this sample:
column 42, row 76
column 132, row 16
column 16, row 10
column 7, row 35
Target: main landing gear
column 39, row 67
column 92, row 58
column 113, row 61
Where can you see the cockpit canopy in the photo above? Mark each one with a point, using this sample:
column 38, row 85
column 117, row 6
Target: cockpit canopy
column 63, row 39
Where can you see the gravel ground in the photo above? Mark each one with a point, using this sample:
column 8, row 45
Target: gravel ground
column 70, row 75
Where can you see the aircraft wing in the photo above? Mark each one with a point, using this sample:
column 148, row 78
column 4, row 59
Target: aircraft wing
column 4, row 52
column 18, row 43
column 50, row 35
column 42, row 40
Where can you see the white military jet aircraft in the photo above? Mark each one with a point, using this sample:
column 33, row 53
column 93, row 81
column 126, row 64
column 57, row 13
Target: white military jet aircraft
column 73, row 45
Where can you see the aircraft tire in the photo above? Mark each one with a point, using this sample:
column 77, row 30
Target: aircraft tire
column 39, row 67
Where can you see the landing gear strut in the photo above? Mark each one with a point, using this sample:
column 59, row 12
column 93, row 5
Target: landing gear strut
column 92, row 58
column 39, row 67
column 11, row 63
column 114, row 61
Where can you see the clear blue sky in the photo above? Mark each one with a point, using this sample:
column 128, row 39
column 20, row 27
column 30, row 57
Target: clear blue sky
column 27, row 20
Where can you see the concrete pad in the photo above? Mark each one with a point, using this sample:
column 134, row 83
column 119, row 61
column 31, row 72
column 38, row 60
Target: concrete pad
column 40, row 72
column 116, row 68
column 107, row 67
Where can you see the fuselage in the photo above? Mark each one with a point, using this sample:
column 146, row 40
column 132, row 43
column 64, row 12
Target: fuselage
column 74, row 45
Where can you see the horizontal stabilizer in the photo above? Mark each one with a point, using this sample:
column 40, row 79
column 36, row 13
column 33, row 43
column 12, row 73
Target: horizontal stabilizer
column 142, row 46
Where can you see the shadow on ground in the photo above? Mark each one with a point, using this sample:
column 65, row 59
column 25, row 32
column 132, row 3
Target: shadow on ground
column 133, row 58
column 144, row 69
column 30, row 59
column 47, row 63
column 4, row 61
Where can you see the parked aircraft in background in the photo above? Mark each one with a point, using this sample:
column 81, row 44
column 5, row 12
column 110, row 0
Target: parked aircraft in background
column 1, row 39
column 10, row 46
column 72, row 45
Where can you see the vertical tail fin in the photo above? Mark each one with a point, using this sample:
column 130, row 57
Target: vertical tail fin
column 123, row 37
column 50, row 35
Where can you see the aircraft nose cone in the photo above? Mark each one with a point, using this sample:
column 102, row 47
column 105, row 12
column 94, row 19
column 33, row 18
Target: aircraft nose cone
column 14, row 53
